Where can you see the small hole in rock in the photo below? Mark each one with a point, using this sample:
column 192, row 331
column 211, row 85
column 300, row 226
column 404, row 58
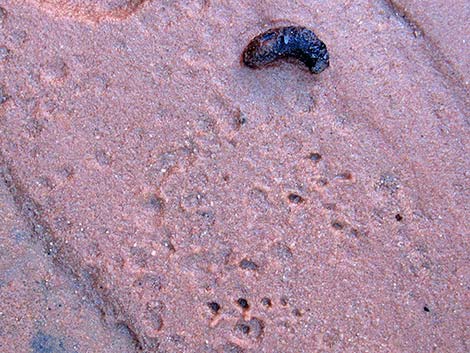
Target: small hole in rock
column 245, row 329
column 156, row 202
column 240, row 119
column 314, row 156
column 214, row 306
column 426, row 309
column 247, row 264
column 337, row 225
column 267, row 302
column 398, row 217
column 294, row 198
column 243, row 303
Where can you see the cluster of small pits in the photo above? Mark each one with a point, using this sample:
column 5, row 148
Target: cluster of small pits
column 246, row 326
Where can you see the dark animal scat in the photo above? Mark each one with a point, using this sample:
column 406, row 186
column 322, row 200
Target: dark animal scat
column 284, row 42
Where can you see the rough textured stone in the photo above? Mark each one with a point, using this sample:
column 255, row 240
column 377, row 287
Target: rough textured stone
column 149, row 162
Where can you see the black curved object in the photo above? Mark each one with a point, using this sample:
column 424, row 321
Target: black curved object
column 282, row 42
